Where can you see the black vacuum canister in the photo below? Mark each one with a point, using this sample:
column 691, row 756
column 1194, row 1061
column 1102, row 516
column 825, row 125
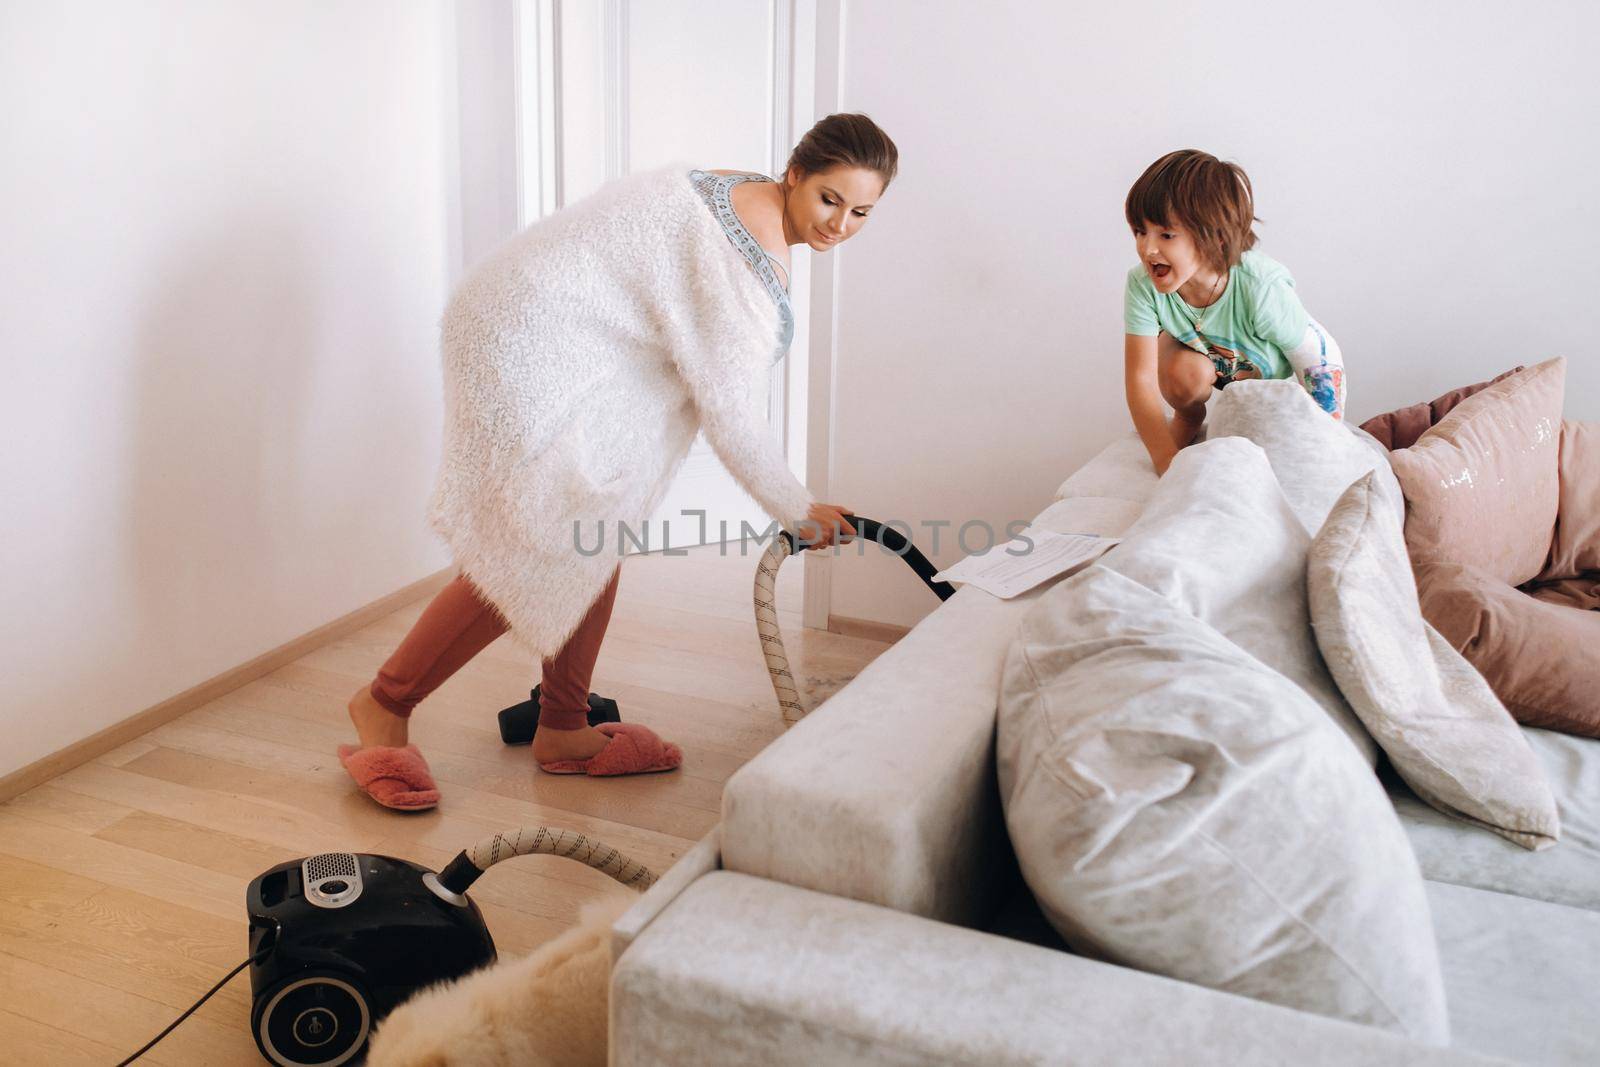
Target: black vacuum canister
column 520, row 722
column 347, row 937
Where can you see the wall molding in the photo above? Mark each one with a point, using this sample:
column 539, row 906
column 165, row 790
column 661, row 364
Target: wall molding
column 780, row 134
column 870, row 629
column 817, row 599
column 536, row 77
column 617, row 62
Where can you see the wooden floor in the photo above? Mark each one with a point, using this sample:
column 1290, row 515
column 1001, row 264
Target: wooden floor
column 122, row 881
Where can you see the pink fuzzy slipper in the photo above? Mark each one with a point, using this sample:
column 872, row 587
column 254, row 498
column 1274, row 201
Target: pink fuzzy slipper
column 395, row 777
column 633, row 749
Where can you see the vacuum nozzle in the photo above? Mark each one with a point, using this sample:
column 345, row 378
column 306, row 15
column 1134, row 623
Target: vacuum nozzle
column 459, row 874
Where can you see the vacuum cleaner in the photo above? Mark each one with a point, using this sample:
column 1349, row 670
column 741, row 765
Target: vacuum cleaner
column 339, row 940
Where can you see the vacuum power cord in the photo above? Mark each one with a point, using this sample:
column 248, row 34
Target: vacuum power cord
column 194, row 1007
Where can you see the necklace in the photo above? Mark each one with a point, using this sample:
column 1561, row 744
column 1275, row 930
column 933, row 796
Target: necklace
column 1211, row 302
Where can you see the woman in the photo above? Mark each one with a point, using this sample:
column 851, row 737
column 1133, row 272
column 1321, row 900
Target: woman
column 581, row 359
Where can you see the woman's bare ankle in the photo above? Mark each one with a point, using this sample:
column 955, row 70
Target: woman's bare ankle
column 583, row 743
column 376, row 724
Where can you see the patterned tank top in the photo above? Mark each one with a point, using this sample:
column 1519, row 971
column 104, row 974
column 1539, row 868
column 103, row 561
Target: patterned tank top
column 714, row 189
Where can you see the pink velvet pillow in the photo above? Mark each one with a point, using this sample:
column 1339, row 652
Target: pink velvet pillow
column 1538, row 657
column 1401, row 427
column 1482, row 485
column 1576, row 550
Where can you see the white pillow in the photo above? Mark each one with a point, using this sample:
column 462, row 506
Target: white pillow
column 1178, row 807
column 1218, row 538
column 1314, row 456
column 1444, row 730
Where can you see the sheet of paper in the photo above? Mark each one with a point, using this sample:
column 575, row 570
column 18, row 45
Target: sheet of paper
column 1013, row 568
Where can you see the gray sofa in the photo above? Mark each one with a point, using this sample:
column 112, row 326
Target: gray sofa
column 860, row 902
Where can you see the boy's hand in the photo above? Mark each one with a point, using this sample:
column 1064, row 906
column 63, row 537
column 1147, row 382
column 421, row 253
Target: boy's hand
column 1144, row 401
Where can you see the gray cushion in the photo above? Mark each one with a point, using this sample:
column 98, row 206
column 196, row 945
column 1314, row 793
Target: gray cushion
column 1160, row 787
column 1218, row 537
column 1569, row 873
column 1315, row 457
column 740, row 970
column 1522, row 976
column 1437, row 719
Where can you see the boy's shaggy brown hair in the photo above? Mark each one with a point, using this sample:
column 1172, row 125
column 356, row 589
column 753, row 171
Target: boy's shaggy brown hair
column 1209, row 198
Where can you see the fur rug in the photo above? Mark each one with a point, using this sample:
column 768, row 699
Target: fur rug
column 548, row 1009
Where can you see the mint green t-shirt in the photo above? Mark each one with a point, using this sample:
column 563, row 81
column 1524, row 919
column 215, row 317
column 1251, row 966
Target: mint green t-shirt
column 1257, row 316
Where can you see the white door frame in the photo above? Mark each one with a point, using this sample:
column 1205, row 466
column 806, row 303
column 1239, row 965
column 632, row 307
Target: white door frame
column 825, row 21
column 807, row 43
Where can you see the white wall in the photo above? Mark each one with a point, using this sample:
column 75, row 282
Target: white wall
column 479, row 93
column 700, row 84
column 1424, row 170
column 225, row 253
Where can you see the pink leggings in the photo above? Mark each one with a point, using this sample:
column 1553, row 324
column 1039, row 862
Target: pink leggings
column 458, row 624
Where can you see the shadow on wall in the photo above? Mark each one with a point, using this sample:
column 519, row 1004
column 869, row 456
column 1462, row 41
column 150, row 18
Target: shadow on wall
column 218, row 464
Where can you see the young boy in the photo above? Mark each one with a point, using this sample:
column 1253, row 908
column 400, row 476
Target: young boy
column 1202, row 310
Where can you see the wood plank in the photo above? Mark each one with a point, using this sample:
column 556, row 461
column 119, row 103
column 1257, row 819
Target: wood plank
column 60, row 1000
column 115, row 865
column 42, row 887
column 265, row 820
column 56, row 806
column 235, row 855
column 139, row 945
column 27, row 1041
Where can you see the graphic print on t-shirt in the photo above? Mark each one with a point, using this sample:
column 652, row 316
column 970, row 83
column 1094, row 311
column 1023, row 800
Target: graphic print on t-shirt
column 1231, row 366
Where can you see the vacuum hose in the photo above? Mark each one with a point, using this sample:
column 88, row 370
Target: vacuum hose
column 468, row 865
column 452, row 882
column 784, row 546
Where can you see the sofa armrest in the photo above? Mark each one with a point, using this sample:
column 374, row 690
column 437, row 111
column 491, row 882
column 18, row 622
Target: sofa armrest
column 887, row 792
column 700, row 860
column 741, row 970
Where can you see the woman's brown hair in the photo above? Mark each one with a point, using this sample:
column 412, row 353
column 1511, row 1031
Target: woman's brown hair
column 1206, row 196
column 846, row 140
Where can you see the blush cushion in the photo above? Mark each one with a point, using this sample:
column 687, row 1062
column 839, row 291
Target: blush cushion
column 1401, row 427
column 1539, row 657
column 1575, row 551
column 1482, row 487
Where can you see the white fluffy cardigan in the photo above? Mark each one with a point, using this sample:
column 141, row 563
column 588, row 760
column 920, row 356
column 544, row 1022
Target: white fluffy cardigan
column 580, row 359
